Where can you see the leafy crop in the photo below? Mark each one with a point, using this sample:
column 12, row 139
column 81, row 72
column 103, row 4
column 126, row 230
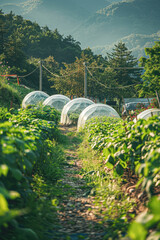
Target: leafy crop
column 4, row 114
column 131, row 147
column 140, row 228
column 74, row 117
column 25, row 143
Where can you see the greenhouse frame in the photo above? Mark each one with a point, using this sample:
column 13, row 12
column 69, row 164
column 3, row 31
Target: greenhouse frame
column 75, row 106
column 96, row 110
column 34, row 98
column 148, row 113
column 57, row 101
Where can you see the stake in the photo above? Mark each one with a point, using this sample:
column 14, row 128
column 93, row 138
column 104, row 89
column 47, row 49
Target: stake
column 40, row 75
column 158, row 98
column 85, row 80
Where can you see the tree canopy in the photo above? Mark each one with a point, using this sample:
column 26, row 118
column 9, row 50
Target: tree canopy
column 23, row 41
column 151, row 76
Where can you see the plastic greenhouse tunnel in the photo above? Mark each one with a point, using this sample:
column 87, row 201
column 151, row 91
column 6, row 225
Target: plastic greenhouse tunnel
column 148, row 113
column 74, row 108
column 57, row 101
column 33, row 98
column 96, row 110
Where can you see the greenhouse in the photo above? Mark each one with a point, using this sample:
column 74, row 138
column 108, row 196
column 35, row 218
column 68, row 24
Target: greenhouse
column 74, row 108
column 148, row 113
column 96, row 110
column 57, row 101
column 132, row 104
column 34, row 98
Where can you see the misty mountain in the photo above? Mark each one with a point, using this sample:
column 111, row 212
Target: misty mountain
column 119, row 20
column 62, row 14
column 134, row 42
column 95, row 23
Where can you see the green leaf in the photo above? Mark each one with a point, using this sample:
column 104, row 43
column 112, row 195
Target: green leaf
column 3, row 205
column 119, row 169
column 17, row 174
column 137, row 231
column 154, row 205
column 3, row 170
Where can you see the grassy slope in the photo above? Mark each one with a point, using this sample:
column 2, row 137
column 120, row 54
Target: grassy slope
column 11, row 95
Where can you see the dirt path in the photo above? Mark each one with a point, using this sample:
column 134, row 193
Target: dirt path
column 79, row 218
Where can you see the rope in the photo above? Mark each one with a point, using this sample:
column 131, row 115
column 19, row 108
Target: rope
column 109, row 87
column 29, row 73
column 50, row 71
column 118, row 67
column 59, row 75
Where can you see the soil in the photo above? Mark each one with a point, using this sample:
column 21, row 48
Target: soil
column 78, row 215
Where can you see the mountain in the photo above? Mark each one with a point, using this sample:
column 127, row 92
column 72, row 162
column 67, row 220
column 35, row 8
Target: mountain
column 119, row 20
column 96, row 24
column 134, row 42
column 62, row 14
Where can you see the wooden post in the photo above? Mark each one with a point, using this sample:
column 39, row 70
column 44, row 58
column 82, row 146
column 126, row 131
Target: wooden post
column 158, row 99
column 40, row 75
column 85, row 80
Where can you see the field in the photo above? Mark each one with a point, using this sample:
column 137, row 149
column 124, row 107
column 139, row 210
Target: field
column 57, row 183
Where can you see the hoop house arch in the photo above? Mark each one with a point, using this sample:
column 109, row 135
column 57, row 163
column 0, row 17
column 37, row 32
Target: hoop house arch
column 96, row 110
column 57, row 101
column 75, row 106
column 34, row 98
column 148, row 113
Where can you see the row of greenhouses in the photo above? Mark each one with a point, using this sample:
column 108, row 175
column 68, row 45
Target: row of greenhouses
column 81, row 109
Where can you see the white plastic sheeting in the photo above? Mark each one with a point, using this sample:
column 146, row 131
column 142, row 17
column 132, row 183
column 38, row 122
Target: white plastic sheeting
column 96, row 110
column 34, row 98
column 131, row 104
column 74, row 106
column 57, row 101
column 148, row 113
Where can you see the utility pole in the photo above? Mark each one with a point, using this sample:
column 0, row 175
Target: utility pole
column 85, row 80
column 40, row 75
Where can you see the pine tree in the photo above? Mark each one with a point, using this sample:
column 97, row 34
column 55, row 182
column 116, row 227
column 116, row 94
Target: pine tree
column 124, row 71
column 2, row 31
column 124, row 65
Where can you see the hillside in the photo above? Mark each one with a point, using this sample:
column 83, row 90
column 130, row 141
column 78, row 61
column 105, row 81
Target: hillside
column 119, row 20
column 61, row 14
column 11, row 94
column 135, row 42
column 95, row 24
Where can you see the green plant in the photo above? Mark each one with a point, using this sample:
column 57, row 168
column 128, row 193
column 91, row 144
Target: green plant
column 74, row 117
column 24, row 141
column 133, row 148
column 147, row 225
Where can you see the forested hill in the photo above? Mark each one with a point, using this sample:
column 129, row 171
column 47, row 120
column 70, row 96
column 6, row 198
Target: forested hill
column 35, row 41
column 119, row 20
column 62, row 14
column 97, row 24
column 23, row 43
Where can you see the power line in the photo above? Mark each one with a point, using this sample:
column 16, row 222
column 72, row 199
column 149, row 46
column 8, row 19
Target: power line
column 29, row 73
column 62, row 76
column 118, row 68
column 50, row 71
column 109, row 87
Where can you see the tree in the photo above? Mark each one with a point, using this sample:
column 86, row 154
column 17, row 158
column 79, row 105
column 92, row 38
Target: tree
column 151, row 76
column 71, row 81
column 2, row 31
column 124, row 71
column 124, row 65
